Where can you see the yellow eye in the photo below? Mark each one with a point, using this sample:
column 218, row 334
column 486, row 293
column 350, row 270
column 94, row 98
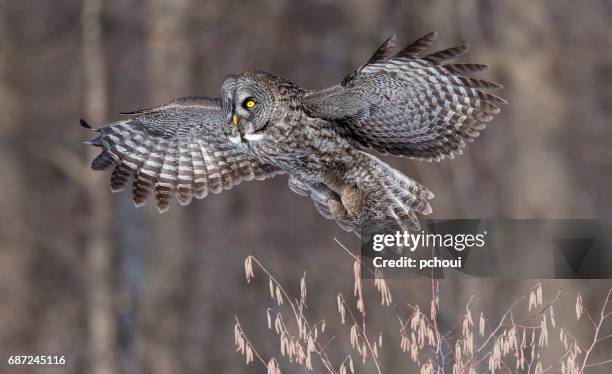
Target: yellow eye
column 249, row 103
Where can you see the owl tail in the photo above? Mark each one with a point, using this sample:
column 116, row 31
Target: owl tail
column 392, row 196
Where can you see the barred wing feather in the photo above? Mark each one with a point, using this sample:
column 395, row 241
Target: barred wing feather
column 174, row 149
column 409, row 104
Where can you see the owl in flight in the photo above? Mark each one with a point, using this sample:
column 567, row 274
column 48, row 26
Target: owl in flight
column 405, row 104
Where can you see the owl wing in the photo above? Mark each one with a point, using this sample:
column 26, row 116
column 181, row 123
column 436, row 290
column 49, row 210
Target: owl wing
column 409, row 104
column 177, row 148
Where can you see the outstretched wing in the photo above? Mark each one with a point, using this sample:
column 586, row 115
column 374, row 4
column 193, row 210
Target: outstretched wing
column 409, row 104
column 177, row 148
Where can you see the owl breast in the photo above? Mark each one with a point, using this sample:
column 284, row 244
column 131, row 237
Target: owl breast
column 302, row 146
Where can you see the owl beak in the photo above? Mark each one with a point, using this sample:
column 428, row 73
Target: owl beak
column 235, row 119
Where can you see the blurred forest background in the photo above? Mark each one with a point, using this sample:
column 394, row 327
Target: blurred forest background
column 125, row 290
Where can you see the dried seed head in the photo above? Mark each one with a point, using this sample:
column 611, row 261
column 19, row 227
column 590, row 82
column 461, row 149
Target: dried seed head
column 543, row 341
column 427, row 368
column 273, row 367
column 532, row 300
column 538, row 368
column 433, row 310
column 303, row 290
column 279, row 296
column 467, row 322
column 456, row 368
column 458, row 351
column 404, row 343
column 354, row 336
column 564, row 339
column 237, row 336
column 358, row 292
column 249, row 355
column 248, row 268
column 416, row 318
column 469, row 344
column 539, row 293
column 341, row 309
column 481, row 324
column 552, row 316
column 579, row 306
column 356, row 277
column 364, row 352
column 381, row 285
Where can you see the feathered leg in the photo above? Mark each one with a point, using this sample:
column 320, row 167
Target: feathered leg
column 353, row 199
column 334, row 202
column 372, row 192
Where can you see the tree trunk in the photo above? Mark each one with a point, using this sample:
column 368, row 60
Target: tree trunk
column 169, row 70
column 99, row 251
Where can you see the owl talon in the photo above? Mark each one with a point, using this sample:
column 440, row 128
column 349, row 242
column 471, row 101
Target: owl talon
column 336, row 208
column 353, row 200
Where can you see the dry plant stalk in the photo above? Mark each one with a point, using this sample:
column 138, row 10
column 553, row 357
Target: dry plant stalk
column 506, row 345
column 297, row 346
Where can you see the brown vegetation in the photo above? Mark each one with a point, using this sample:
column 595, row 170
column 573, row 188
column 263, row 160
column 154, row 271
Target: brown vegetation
column 518, row 341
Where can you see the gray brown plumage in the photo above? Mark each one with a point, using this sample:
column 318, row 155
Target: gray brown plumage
column 403, row 104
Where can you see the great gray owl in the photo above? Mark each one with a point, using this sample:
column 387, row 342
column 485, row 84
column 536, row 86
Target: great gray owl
column 404, row 104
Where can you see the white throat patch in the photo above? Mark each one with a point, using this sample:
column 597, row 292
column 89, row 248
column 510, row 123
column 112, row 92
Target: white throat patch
column 253, row 137
column 234, row 139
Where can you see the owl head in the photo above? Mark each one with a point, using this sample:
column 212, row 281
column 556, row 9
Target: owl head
column 248, row 104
